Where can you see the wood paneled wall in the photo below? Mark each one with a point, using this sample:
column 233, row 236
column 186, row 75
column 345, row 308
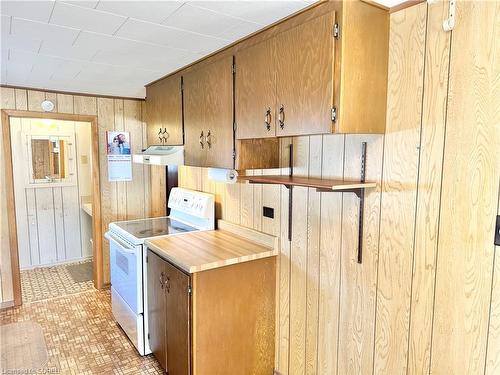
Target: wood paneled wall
column 426, row 297
column 119, row 200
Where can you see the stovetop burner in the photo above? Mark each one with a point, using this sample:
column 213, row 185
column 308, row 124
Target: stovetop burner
column 160, row 226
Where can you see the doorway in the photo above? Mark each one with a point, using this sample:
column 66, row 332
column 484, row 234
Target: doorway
column 52, row 178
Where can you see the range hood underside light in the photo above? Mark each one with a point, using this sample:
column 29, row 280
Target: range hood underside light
column 161, row 155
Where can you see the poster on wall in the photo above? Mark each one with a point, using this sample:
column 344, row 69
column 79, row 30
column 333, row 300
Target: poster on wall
column 119, row 156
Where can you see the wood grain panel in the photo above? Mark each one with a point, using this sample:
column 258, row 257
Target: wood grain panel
column 429, row 188
column 469, row 191
column 134, row 188
column 313, row 255
column 65, row 103
column 72, row 223
column 255, row 91
column 283, row 348
column 304, row 68
column 35, row 99
column 399, row 185
column 121, row 186
column 8, row 101
column 59, row 223
column 32, row 226
column 229, row 333
column 8, row 98
column 18, row 170
column 46, row 233
column 105, row 112
column 493, row 353
column 164, row 110
column 21, row 100
column 232, row 203
column 85, row 105
column 359, row 281
column 330, row 257
column 257, row 202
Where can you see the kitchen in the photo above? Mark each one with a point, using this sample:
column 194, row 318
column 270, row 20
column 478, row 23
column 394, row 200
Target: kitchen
column 276, row 187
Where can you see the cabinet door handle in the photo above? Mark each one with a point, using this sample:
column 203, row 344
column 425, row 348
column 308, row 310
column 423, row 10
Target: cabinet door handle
column 167, row 284
column 281, row 117
column 267, row 119
column 162, row 282
column 209, row 139
column 202, row 144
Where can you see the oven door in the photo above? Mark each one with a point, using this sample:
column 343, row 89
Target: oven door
column 126, row 271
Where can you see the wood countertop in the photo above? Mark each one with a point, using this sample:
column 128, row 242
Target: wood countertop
column 205, row 250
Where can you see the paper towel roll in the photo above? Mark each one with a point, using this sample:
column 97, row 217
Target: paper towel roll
column 228, row 176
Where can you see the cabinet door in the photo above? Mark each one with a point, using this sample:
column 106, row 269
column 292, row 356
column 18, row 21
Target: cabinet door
column 218, row 83
column 164, row 111
column 304, row 68
column 157, row 308
column 178, row 321
column 195, row 150
column 255, row 91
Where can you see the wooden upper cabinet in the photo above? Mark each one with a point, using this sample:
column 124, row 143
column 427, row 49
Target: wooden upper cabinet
column 195, row 152
column 164, row 111
column 255, row 91
column 323, row 71
column 304, row 77
column 208, row 115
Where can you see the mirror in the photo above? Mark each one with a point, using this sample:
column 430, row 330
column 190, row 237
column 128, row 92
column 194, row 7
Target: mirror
column 47, row 157
column 51, row 159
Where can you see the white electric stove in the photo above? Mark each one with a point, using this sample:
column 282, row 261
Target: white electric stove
column 189, row 211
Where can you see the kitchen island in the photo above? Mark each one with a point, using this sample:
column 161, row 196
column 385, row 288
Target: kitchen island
column 212, row 301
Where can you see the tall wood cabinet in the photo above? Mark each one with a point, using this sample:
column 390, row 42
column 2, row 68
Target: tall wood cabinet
column 164, row 111
column 208, row 114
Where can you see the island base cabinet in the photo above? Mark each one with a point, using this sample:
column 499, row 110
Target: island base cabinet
column 169, row 315
column 219, row 321
column 234, row 319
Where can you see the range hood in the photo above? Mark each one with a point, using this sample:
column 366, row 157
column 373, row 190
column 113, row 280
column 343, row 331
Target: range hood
column 161, row 155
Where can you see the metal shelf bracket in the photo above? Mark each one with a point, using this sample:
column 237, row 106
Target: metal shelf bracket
column 360, row 193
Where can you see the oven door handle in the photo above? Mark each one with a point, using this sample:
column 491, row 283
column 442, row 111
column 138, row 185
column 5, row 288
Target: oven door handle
column 126, row 248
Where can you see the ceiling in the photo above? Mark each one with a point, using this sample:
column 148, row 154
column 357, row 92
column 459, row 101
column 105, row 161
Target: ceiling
column 111, row 47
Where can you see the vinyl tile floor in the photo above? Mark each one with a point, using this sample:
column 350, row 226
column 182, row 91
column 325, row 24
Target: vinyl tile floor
column 81, row 336
column 53, row 281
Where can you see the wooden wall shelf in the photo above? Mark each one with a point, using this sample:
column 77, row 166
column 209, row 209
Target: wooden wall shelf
column 320, row 184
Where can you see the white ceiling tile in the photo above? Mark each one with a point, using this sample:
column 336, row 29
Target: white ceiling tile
column 68, row 52
column 140, row 60
column 83, row 3
column 20, row 43
column 240, row 31
column 152, row 11
column 164, row 35
column 30, row 10
column 5, row 24
column 65, row 14
column 203, row 21
column 66, row 72
column 75, row 51
column 261, row 12
column 32, row 29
